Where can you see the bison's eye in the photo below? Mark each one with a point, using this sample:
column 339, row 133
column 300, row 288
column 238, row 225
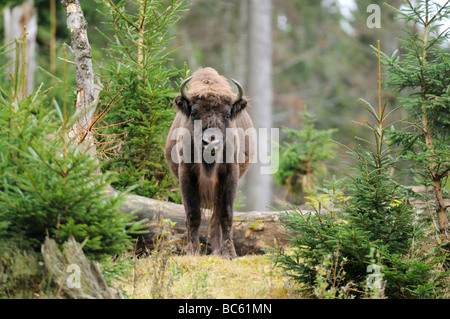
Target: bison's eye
column 227, row 115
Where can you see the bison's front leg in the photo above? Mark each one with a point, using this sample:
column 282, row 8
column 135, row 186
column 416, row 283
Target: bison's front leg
column 226, row 196
column 191, row 200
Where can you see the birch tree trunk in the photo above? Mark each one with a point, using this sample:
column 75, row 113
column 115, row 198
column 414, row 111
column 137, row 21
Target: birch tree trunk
column 87, row 91
column 259, row 86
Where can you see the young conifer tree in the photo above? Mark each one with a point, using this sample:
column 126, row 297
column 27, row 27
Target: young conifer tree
column 49, row 186
column 424, row 72
column 303, row 157
column 137, row 64
column 369, row 225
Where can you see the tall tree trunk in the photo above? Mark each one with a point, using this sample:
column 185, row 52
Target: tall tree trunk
column 436, row 179
column 259, row 84
column 52, row 42
column 441, row 211
column 17, row 20
column 240, row 53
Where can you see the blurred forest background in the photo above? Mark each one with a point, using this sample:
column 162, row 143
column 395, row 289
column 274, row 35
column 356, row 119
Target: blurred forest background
column 313, row 69
column 313, row 56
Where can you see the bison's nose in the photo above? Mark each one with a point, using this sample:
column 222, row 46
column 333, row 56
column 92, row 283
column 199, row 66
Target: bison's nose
column 208, row 139
column 211, row 147
column 210, row 144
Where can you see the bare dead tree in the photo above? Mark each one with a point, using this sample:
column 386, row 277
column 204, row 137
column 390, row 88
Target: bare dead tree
column 87, row 91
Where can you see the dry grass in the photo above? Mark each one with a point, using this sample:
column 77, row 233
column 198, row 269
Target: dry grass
column 248, row 277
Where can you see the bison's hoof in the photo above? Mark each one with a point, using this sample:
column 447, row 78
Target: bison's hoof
column 216, row 252
column 228, row 250
column 191, row 250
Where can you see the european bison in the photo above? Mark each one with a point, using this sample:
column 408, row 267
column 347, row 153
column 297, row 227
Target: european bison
column 213, row 130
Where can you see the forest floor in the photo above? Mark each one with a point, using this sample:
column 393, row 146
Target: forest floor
column 187, row 277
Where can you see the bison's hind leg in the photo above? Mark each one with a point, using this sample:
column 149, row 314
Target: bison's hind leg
column 193, row 225
column 221, row 230
column 215, row 234
column 227, row 249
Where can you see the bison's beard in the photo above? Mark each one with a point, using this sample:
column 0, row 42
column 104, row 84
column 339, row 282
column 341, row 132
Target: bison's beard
column 209, row 168
column 211, row 160
column 207, row 184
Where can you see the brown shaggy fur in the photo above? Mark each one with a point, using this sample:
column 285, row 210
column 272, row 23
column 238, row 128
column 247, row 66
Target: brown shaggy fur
column 210, row 185
column 206, row 83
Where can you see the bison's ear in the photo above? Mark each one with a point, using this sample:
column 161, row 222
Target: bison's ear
column 182, row 105
column 238, row 106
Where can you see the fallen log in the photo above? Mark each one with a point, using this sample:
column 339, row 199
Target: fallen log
column 252, row 232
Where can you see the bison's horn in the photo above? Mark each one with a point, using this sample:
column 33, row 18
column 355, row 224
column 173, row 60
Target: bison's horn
column 240, row 93
column 183, row 89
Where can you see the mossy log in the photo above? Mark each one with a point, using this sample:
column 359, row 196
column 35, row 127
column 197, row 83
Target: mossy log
column 252, row 231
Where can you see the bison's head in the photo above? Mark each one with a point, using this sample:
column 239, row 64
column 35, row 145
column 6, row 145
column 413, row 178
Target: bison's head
column 210, row 103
